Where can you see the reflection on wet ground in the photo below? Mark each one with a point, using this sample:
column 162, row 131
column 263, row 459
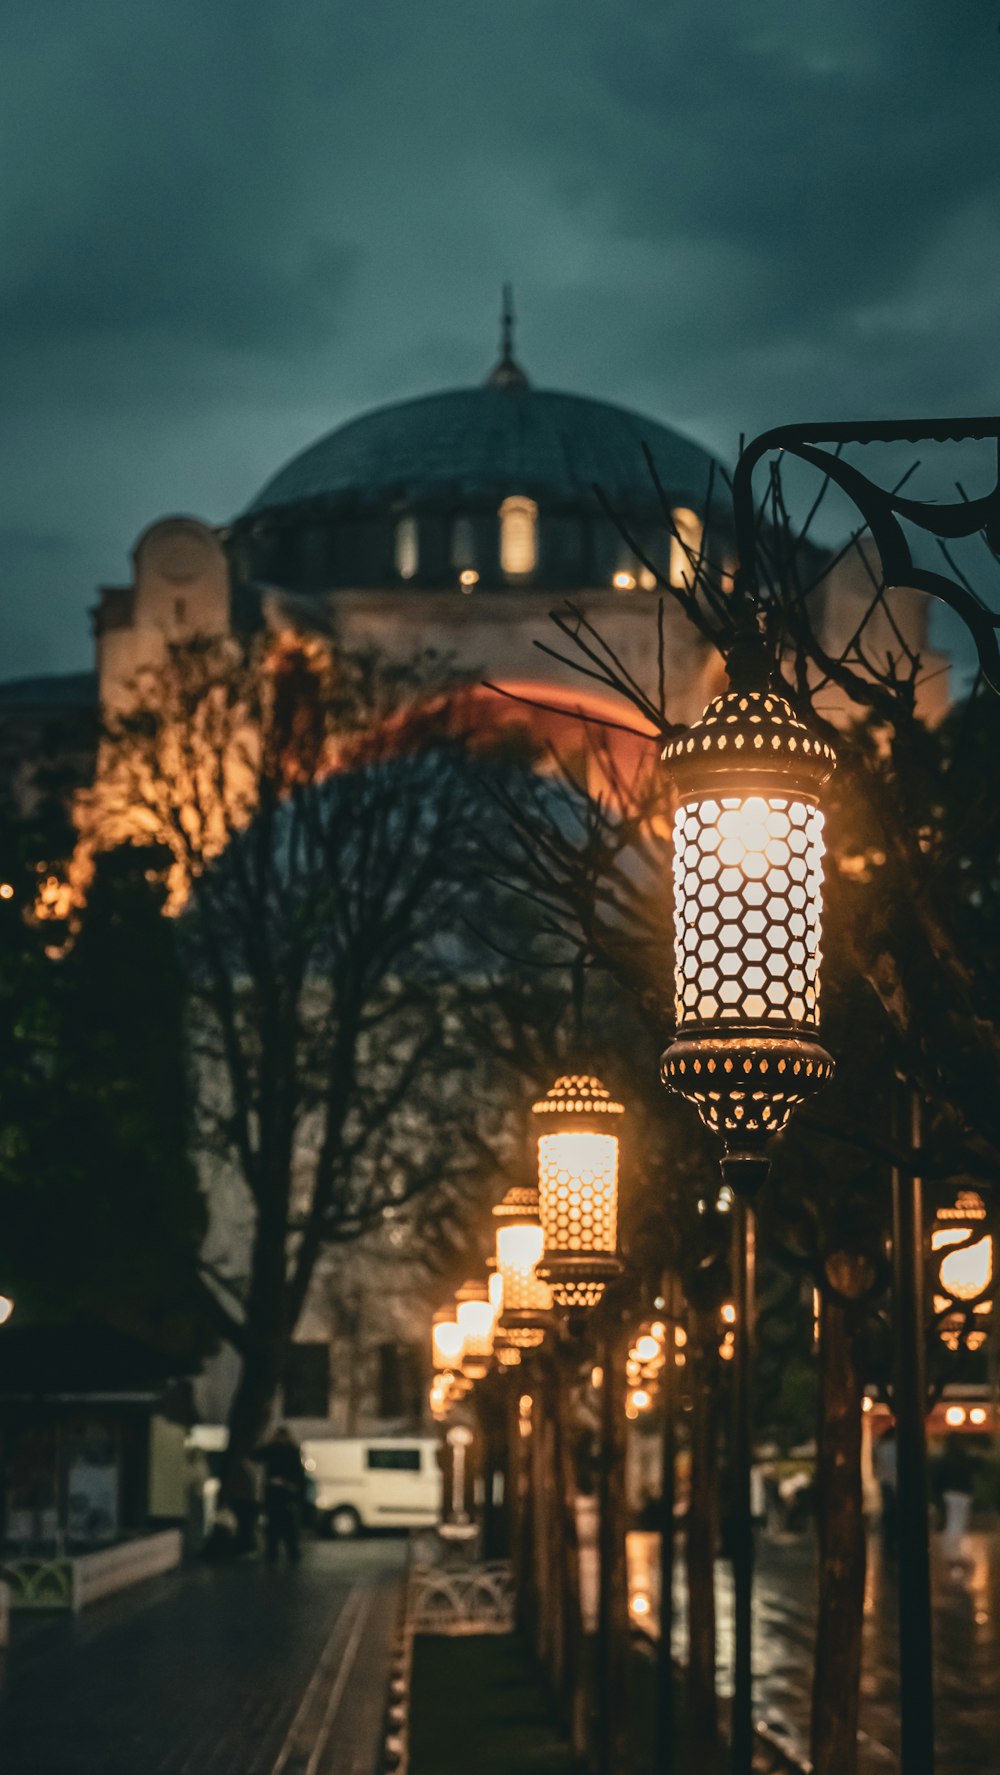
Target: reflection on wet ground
column 967, row 1643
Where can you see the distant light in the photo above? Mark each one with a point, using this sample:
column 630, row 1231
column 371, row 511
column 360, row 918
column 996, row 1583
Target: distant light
column 866, row 1403
column 659, row 1331
column 977, row 1415
column 680, row 1358
column 725, row 1199
column 641, row 1399
column 468, row 578
column 624, row 582
column 954, row 1416
column 597, row 1379
column 680, row 1336
column 640, row 1605
column 727, row 1350
column 647, row 1347
column 728, row 1313
column 659, row 1303
column 6, row 891
column 6, row 1308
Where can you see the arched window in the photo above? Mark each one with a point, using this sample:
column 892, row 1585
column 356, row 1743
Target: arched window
column 518, row 536
column 407, row 554
column 463, row 543
column 685, row 546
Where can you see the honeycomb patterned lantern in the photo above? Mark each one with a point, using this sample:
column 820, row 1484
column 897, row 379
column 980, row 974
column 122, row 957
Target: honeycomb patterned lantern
column 748, row 888
column 476, row 1318
column 963, row 1303
column 578, row 1188
column 526, row 1300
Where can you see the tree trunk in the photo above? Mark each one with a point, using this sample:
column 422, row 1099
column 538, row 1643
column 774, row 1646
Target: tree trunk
column 265, row 1340
column 613, row 1615
column 701, row 1705
column 837, row 1678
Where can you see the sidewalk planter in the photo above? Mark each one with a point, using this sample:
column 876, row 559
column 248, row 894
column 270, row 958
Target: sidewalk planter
column 73, row 1581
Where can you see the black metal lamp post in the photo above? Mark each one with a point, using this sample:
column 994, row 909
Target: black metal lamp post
column 722, row 1069
column 578, row 1153
column 748, row 852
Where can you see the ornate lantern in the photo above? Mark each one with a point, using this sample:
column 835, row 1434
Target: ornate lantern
column 748, row 886
column 578, row 1188
column 476, row 1319
column 447, row 1341
column 526, row 1300
column 962, row 1299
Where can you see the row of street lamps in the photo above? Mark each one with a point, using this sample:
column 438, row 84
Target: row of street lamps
column 748, row 889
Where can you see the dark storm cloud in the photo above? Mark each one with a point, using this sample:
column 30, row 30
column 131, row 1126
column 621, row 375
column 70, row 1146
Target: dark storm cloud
column 228, row 227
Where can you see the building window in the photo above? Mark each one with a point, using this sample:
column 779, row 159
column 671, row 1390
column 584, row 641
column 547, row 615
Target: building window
column 685, row 545
column 463, row 543
column 307, row 1381
column 407, row 555
column 518, row 536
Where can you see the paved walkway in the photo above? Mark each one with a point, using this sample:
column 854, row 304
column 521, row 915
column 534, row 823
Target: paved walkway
column 967, row 1646
column 234, row 1670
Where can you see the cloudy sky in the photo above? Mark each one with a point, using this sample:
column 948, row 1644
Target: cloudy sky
column 227, row 227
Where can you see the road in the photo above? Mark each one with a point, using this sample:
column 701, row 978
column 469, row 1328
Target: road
column 967, row 1646
column 233, row 1670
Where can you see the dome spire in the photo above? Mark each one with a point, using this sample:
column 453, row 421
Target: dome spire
column 507, row 372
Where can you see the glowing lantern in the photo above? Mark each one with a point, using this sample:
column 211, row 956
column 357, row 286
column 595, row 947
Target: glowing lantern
column 965, row 1271
column 447, row 1340
column 526, row 1299
column 476, row 1319
column 578, row 1189
column 748, row 888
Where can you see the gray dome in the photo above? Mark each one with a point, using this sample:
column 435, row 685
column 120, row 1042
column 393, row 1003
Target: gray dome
column 473, row 445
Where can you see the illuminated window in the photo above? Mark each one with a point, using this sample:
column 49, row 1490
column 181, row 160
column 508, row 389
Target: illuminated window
column 463, row 543
column 406, row 547
column 685, row 546
column 518, row 536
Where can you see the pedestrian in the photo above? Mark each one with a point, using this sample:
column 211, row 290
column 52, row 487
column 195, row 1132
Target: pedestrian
column 955, row 1480
column 284, row 1486
column 885, row 1468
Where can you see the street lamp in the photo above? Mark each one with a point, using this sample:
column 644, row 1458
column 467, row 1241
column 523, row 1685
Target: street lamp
column 964, row 1271
column 578, row 1189
column 447, row 1340
column 748, row 892
column 476, row 1319
column 526, row 1301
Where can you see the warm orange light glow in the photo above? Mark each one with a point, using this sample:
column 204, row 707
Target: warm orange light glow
column 6, row 1308
column 468, row 578
column 748, row 892
column 964, row 1274
column 866, row 1403
column 728, row 1313
column 625, row 582
column 640, row 1604
column 954, row 1416
column 578, row 1188
column 647, row 1347
column 6, row 891
column 680, row 1336
column 659, row 1331
column 508, row 1355
column 518, row 539
column 977, row 1415
column 641, row 1399
column 476, row 1321
column 449, row 1343
column 597, row 1378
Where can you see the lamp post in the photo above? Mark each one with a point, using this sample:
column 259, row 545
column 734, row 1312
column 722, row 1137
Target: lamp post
column 885, row 510
column 748, row 854
column 578, row 1152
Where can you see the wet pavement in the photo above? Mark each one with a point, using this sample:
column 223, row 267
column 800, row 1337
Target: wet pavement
column 232, row 1670
column 967, row 1645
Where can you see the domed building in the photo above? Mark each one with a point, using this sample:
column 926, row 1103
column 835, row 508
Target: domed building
column 452, row 523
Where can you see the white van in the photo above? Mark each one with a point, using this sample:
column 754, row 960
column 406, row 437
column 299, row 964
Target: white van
column 374, row 1482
